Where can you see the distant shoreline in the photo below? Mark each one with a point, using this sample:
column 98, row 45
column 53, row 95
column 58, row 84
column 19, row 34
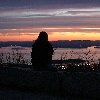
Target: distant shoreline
column 53, row 47
column 56, row 44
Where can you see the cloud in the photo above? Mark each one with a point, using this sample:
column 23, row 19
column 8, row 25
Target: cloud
column 32, row 16
column 17, row 34
column 51, row 17
column 43, row 3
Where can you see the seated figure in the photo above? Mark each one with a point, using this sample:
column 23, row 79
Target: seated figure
column 42, row 52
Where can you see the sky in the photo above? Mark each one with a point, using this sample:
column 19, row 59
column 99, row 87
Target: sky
column 23, row 20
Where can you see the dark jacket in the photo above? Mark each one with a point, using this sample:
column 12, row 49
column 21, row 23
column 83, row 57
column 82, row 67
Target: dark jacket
column 42, row 52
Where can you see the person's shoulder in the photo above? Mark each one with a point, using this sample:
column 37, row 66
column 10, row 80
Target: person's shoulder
column 49, row 44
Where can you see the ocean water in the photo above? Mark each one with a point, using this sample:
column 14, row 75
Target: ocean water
column 12, row 53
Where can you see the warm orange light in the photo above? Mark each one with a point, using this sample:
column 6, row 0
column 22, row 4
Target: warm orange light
column 53, row 36
column 74, row 36
column 18, row 38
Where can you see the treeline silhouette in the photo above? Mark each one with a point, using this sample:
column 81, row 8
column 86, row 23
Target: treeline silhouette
column 55, row 44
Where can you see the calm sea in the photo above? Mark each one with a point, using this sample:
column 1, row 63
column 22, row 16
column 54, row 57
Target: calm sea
column 11, row 53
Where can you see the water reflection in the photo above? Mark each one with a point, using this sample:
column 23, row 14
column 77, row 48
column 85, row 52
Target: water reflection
column 90, row 54
column 11, row 53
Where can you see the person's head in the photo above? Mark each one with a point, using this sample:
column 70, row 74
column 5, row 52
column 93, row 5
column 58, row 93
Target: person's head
column 43, row 36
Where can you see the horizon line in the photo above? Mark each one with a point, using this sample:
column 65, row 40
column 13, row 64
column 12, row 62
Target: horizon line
column 48, row 40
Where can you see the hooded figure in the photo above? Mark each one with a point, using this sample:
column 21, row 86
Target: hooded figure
column 42, row 52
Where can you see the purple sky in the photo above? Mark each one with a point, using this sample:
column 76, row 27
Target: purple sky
column 32, row 16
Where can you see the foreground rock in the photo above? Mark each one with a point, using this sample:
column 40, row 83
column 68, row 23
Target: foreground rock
column 63, row 83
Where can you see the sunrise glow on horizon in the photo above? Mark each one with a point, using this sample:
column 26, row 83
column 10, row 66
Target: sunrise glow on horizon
column 62, row 20
column 55, row 37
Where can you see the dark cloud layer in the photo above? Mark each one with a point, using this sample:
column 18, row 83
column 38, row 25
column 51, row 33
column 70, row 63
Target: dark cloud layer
column 36, row 3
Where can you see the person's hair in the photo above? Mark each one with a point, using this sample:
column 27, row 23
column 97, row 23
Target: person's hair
column 43, row 36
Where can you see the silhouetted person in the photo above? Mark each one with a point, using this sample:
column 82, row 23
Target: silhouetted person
column 42, row 52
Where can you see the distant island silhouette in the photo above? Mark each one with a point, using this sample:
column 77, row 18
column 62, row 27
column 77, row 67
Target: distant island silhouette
column 55, row 44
